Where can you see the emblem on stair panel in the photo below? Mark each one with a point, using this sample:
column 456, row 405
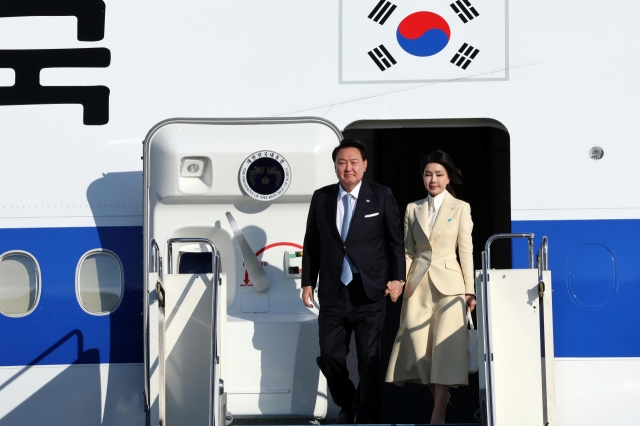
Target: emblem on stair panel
column 265, row 175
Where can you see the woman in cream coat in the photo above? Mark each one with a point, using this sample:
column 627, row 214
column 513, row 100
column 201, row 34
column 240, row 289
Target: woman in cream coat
column 431, row 344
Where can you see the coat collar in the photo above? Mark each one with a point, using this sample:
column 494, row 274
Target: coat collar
column 448, row 204
column 422, row 214
column 332, row 210
column 358, row 215
column 365, row 194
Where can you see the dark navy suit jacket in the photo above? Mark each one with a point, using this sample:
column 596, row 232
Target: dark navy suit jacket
column 374, row 243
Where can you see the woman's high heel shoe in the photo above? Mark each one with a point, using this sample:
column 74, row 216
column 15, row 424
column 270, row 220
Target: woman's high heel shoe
column 447, row 402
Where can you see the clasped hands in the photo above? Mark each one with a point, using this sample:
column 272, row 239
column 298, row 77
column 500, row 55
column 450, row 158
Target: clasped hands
column 394, row 290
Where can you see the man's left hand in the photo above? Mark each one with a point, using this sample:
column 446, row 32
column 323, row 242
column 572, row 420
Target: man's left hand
column 394, row 290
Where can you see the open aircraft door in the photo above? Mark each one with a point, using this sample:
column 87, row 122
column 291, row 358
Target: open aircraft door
column 515, row 339
column 226, row 334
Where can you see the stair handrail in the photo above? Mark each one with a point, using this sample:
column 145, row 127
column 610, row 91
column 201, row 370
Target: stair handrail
column 155, row 267
column 155, row 257
column 544, row 251
column 494, row 237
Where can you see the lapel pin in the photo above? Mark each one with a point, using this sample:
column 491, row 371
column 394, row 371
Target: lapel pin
column 449, row 220
column 367, row 201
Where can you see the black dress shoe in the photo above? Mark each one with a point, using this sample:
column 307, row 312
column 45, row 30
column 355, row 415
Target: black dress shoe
column 363, row 419
column 345, row 416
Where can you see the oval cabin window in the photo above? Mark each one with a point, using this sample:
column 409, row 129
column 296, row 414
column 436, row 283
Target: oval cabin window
column 593, row 275
column 100, row 282
column 19, row 283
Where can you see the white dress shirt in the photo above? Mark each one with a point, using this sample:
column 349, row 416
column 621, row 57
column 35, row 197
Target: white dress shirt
column 340, row 210
column 434, row 207
column 354, row 202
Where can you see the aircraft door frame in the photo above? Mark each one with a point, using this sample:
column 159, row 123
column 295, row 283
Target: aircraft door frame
column 153, row 262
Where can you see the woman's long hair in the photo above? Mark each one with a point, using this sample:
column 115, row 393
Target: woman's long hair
column 445, row 161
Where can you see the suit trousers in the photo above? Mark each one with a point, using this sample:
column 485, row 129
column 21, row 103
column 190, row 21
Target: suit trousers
column 351, row 312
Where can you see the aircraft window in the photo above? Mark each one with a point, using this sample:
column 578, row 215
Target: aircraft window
column 20, row 283
column 99, row 282
column 195, row 263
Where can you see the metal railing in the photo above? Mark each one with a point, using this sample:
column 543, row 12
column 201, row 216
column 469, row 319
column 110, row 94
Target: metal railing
column 543, row 265
column 215, row 281
column 156, row 263
column 155, row 267
column 543, row 262
column 494, row 237
column 544, row 253
column 486, row 265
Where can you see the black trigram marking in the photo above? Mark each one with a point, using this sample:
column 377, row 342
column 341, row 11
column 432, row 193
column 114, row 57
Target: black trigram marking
column 464, row 56
column 382, row 57
column 90, row 13
column 27, row 64
column 382, row 11
column 465, row 11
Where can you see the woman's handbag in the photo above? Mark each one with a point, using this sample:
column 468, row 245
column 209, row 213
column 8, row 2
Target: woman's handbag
column 472, row 345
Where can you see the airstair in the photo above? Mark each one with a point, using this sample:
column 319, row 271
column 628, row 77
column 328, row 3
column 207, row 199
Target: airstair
column 515, row 335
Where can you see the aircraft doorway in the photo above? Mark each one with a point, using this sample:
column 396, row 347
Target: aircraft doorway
column 480, row 148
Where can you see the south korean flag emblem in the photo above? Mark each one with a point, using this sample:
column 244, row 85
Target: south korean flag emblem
column 393, row 41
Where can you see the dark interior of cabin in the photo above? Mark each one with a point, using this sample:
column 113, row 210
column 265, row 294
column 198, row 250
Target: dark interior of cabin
column 394, row 156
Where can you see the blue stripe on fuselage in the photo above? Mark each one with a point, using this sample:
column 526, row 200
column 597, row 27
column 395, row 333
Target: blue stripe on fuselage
column 596, row 283
column 59, row 331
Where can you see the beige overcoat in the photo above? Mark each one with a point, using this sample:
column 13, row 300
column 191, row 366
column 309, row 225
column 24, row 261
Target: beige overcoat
column 431, row 344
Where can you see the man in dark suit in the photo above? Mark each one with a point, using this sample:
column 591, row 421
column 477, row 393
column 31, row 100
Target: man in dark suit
column 354, row 241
